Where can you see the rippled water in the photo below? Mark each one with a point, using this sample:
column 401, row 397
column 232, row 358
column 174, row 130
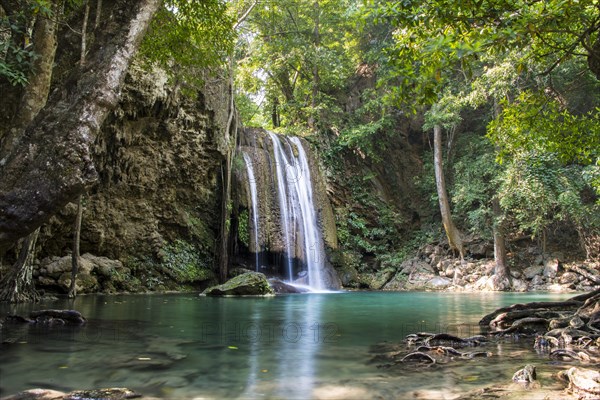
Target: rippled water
column 293, row 347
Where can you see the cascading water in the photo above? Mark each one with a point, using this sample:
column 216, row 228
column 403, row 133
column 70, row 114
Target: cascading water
column 254, row 198
column 286, row 217
column 298, row 213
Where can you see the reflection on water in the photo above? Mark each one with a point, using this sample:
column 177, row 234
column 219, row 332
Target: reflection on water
column 295, row 346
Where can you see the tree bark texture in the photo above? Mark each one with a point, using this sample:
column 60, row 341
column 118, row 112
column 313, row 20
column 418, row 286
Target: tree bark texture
column 453, row 234
column 52, row 164
column 75, row 253
column 35, row 94
column 18, row 286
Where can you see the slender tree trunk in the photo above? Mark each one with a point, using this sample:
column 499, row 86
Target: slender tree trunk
column 53, row 164
column 501, row 276
column 312, row 124
column 453, row 234
column 18, row 21
column 98, row 14
column 17, row 286
column 226, row 172
column 75, row 254
column 35, row 94
column 86, row 17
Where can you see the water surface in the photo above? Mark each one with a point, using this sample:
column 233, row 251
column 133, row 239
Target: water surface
column 294, row 346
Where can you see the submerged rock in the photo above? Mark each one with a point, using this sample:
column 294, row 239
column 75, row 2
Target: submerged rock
column 94, row 394
column 49, row 317
column 247, row 284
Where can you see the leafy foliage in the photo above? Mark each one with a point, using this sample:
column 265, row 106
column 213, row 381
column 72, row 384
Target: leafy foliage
column 539, row 191
column 294, row 55
column 536, row 123
column 475, row 180
column 184, row 263
column 15, row 28
column 189, row 35
column 436, row 38
column 244, row 227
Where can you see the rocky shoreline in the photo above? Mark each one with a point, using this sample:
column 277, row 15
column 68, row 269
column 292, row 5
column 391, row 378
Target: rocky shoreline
column 435, row 268
column 432, row 269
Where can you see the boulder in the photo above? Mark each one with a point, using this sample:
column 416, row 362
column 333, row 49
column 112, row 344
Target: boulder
column 551, row 268
column 532, row 271
column 584, row 383
column 568, row 277
column 537, row 280
column 282, row 287
column 439, row 283
column 518, row 285
column 247, row 284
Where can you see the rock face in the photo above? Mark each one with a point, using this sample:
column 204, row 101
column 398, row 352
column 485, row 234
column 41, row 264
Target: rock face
column 158, row 157
column 247, row 284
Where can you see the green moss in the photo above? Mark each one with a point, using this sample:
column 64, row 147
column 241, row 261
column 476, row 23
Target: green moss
column 244, row 228
column 247, row 284
column 185, row 263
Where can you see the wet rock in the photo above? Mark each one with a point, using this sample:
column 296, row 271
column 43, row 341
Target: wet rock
column 477, row 354
column 283, row 288
column 62, row 317
column 49, row 317
column 37, row 394
column 94, row 394
column 247, row 284
column 418, row 356
column 103, row 394
column 525, row 375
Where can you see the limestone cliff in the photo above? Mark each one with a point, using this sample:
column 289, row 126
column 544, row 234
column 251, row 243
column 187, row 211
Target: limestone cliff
column 156, row 205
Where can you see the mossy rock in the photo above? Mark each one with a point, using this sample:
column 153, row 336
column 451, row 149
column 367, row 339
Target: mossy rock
column 247, row 284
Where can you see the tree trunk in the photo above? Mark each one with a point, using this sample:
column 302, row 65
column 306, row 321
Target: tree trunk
column 501, row 277
column 17, row 286
column 312, row 124
column 75, row 254
column 18, row 21
column 453, row 234
column 53, row 164
column 36, row 92
column 226, row 172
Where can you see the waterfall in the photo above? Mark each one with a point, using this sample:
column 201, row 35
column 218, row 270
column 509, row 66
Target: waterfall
column 297, row 208
column 254, row 198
